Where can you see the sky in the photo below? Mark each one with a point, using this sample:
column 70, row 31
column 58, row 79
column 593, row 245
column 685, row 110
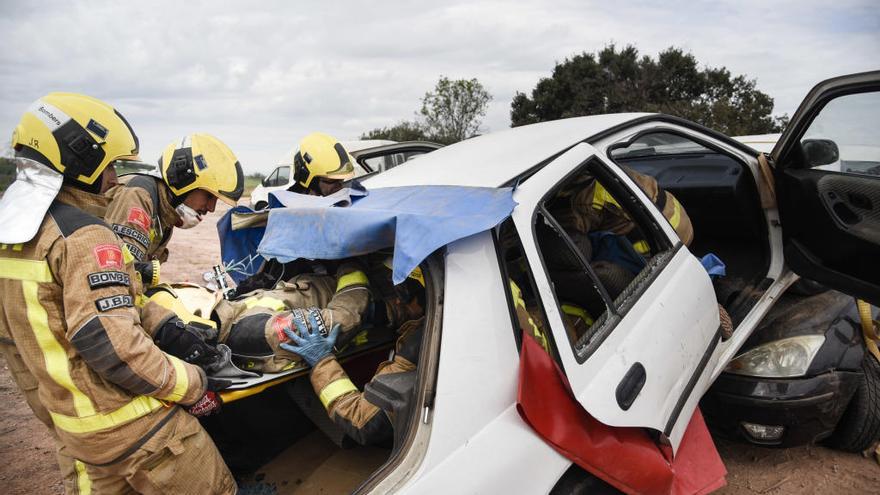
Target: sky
column 261, row 75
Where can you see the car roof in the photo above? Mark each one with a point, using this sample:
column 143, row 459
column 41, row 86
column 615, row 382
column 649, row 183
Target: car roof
column 493, row 159
column 350, row 146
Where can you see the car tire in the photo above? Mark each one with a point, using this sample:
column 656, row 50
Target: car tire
column 807, row 287
column 261, row 205
column 577, row 481
column 859, row 427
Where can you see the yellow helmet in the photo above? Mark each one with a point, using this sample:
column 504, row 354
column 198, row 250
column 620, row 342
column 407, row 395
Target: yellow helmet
column 201, row 161
column 320, row 155
column 74, row 134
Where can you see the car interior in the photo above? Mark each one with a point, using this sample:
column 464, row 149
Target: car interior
column 720, row 195
column 282, row 439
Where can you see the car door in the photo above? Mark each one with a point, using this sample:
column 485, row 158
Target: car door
column 386, row 157
column 644, row 360
column 827, row 173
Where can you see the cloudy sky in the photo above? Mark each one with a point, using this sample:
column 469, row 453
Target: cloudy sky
column 260, row 75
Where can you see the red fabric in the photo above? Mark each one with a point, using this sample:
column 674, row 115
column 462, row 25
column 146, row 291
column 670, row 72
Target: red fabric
column 626, row 458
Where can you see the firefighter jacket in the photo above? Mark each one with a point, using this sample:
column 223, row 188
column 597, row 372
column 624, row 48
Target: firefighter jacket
column 594, row 209
column 67, row 302
column 253, row 326
column 140, row 212
column 368, row 417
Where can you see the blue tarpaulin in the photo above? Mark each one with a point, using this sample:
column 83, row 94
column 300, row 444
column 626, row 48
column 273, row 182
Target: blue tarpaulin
column 237, row 246
column 415, row 220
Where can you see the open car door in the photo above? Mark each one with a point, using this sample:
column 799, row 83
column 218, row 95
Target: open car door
column 827, row 172
column 644, row 357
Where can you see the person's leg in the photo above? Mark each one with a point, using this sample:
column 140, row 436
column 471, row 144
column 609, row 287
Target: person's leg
column 180, row 458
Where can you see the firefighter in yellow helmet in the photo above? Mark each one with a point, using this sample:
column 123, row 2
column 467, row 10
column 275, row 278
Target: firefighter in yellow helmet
column 321, row 165
column 67, row 296
column 196, row 171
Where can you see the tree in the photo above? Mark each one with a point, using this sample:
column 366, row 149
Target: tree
column 620, row 81
column 454, row 110
column 405, row 130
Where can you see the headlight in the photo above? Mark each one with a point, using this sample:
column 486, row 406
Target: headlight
column 785, row 358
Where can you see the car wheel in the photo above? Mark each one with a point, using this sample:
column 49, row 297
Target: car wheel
column 261, row 205
column 859, row 427
column 807, row 287
column 577, row 481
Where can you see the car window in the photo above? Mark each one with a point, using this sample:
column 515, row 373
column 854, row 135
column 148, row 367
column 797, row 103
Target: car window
column 283, row 176
column 844, row 136
column 658, row 143
column 270, row 181
column 527, row 313
column 387, row 162
column 596, row 253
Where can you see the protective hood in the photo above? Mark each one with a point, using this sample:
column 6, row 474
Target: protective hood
column 24, row 204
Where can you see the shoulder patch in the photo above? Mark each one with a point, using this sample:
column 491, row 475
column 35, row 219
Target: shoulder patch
column 113, row 302
column 108, row 256
column 69, row 219
column 135, row 251
column 126, row 231
column 108, row 279
column 139, row 217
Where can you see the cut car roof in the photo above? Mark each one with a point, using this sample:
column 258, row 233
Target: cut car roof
column 493, row 159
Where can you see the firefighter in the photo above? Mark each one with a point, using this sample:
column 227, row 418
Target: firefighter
column 252, row 325
column 592, row 208
column 368, row 417
column 144, row 210
column 67, row 298
column 321, row 165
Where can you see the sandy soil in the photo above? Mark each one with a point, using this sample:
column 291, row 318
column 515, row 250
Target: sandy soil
column 27, row 461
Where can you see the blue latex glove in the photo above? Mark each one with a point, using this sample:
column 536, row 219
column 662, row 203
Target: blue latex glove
column 312, row 347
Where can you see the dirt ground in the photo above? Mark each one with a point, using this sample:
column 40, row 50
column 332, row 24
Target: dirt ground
column 27, row 461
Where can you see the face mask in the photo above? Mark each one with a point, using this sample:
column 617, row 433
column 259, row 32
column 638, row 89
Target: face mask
column 188, row 216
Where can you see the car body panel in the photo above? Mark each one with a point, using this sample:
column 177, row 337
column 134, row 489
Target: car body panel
column 493, row 159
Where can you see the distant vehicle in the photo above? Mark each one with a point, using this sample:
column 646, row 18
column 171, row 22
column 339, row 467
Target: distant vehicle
column 376, row 155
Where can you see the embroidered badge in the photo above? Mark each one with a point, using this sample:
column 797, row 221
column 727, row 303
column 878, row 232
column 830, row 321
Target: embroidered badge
column 139, row 217
column 108, row 256
column 107, row 279
column 279, row 323
column 135, row 251
column 125, row 230
column 113, row 302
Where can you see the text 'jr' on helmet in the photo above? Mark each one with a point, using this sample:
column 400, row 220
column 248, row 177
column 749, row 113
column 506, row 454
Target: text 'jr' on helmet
column 321, row 155
column 75, row 135
column 201, row 161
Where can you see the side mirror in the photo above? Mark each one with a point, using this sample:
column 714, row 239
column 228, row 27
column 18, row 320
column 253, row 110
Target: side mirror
column 820, row 151
column 264, row 182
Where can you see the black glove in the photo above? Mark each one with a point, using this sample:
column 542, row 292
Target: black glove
column 189, row 342
column 218, row 384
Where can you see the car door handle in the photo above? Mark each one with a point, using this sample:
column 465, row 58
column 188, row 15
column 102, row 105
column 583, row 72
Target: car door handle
column 630, row 386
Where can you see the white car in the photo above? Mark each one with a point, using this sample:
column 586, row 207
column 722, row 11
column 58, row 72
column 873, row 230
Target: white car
column 652, row 351
column 375, row 155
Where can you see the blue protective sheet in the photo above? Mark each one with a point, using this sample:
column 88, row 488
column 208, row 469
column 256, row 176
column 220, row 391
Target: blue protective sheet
column 415, row 220
column 238, row 245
